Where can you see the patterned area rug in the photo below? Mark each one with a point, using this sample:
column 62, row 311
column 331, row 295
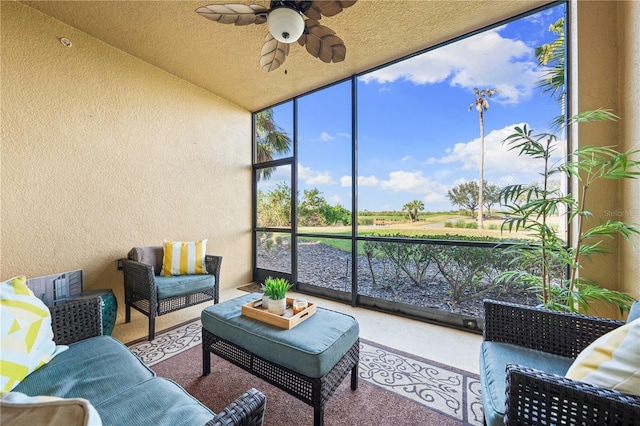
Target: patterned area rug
column 447, row 390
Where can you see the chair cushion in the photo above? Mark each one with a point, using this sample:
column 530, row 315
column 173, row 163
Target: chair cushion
column 184, row 257
column 149, row 255
column 180, row 285
column 494, row 357
column 20, row 409
column 157, row 401
column 94, row 369
column 311, row 348
column 26, row 336
column 612, row 361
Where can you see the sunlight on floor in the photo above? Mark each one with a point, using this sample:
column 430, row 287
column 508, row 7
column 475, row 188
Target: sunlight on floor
column 446, row 345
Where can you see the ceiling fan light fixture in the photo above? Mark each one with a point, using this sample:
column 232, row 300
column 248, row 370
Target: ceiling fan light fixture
column 285, row 24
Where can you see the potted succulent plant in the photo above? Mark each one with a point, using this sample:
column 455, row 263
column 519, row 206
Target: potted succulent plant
column 276, row 290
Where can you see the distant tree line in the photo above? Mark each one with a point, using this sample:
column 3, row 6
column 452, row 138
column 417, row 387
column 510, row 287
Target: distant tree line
column 274, row 209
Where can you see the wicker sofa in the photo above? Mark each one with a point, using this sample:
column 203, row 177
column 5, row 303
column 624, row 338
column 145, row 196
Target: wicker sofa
column 525, row 354
column 120, row 387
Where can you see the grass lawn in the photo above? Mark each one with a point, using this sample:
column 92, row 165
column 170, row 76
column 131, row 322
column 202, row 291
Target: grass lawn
column 432, row 225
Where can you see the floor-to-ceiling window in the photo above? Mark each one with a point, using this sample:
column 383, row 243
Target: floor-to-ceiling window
column 387, row 194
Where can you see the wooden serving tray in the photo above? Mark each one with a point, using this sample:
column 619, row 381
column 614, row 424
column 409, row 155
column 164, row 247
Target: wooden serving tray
column 287, row 320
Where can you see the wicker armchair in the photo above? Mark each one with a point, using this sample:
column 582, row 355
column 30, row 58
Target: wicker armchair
column 536, row 397
column 81, row 319
column 143, row 285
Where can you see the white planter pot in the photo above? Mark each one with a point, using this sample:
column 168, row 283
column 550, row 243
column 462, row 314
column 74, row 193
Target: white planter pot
column 265, row 301
column 277, row 307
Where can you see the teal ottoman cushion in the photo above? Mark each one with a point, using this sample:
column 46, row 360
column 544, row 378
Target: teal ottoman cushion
column 494, row 357
column 312, row 348
column 94, row 369
column 181, row 285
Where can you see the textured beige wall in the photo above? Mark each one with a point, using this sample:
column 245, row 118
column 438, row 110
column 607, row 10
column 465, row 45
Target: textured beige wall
column 629, row 105
column 607, row 66
column 101, row 152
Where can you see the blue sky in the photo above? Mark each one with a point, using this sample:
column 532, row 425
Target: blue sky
column 416, row 137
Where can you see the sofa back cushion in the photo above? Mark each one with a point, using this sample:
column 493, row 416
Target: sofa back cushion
column 149, row 255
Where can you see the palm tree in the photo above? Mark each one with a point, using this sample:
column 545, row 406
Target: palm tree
column 482, row 104
column 271, row 141
column 551, row 55
column 413, row 208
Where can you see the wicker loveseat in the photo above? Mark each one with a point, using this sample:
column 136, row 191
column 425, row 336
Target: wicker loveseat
column 116, row 383
column 525, row 354
column 153, row 294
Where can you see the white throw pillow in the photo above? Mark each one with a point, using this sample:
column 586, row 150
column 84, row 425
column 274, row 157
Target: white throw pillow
column 26, row 337
column 20, row 409
column 612, row 361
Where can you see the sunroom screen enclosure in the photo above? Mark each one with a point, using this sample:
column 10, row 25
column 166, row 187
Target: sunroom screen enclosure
column 411, row 234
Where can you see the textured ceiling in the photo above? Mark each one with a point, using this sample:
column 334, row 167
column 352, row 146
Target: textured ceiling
column 224, row 59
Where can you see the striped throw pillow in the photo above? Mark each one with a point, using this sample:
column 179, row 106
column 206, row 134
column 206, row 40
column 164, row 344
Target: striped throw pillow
column 26, row 340
column 184, row 258
column 612, row 361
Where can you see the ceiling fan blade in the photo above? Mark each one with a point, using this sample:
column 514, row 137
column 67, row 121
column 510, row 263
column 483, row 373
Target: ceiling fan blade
column 322, row 42
column 233, row 13
column 273, row 53
column 320, row 8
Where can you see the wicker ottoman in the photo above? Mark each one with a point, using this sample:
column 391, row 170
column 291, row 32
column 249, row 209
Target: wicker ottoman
column 309, row 361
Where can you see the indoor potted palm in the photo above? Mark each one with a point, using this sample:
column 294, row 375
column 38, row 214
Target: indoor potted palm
column 546, row 263
column 276, row 290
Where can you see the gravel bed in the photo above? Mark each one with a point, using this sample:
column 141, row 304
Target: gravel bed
column 325, row 266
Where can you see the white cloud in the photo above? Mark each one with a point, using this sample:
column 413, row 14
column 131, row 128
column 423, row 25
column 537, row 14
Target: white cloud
column 345, row 181
column 499, row 161
column 314, row 177
column 335, row 200
column 414, row 182
column 368, row 181
column 325, row 137
column 486, row 60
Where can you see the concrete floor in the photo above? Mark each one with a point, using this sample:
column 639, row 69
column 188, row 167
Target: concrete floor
column 441, row 344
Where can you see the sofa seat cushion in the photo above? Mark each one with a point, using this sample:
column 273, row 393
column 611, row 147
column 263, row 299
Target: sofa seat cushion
column 182, row 285
column 311, row 348
column 157, row 401
column 93, row 369
column 494, row 357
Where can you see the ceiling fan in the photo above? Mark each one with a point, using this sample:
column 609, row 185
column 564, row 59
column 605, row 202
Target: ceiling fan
column 286, row 25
